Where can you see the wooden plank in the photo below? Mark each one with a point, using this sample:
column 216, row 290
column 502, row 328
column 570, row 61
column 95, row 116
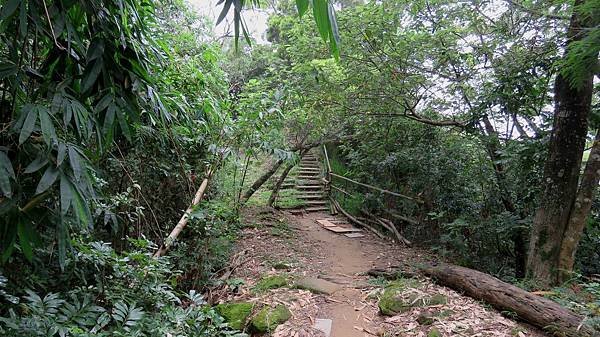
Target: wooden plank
column 338, row 229
column 326, row 223
column 354, row 235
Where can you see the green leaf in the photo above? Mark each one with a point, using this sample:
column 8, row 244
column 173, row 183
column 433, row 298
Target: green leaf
column 66, row 195
column 91, row 75
column 61, row 153
column 75, row 161
column 123, row 124
column 302, row 6
column 321, row 13
column 95, row 50
column 23, row 19
column 28, row 124
column 48, row 130
column 36, row 164
column 48, row 178
column 25, row 239
column 7, row 69
column 7, row 165
column 224, row 11
column 8, row 9
column 109, row 121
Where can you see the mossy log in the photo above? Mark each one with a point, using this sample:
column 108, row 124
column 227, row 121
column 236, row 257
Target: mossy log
column 531, row 308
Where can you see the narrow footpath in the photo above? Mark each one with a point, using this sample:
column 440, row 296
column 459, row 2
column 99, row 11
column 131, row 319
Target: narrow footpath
column 320, row 276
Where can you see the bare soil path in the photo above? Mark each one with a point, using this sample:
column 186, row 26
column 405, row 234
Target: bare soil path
column 297, row 247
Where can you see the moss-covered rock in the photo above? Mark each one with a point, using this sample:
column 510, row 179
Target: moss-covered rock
column 235, row 314
column 400, row 296
column 269, row 318
column 434, row 333
column 270, row 282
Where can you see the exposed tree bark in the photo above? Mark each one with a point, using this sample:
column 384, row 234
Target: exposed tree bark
column 561, row 172
column 492, row 145
column 278, row 184
column 580, row 212
column 534, row 309
column 185, row 218
column 260, row 181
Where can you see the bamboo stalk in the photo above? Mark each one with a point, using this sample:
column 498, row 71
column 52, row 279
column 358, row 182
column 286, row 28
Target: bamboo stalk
column 185, row 218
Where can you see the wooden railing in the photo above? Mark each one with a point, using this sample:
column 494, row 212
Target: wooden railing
column 331, row 185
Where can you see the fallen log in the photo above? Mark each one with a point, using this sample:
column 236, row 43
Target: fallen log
column 536, row 310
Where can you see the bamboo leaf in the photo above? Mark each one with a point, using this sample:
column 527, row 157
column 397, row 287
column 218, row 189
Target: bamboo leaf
column 36, row 164
column 109, row 121
column 92, row 75
column 9, row 9
column 25, row 240
column 321, row 14
column 28, row 125
column 48, row 178
column 61, row 153
column 224, row 11
column 75, row 161
column 48, row 131
column 302, row 6
column 66, row 195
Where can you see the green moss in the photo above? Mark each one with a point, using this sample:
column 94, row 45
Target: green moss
column 269, row 318
column 270, row 282
column 397, row 297
column 235, row 314
column 434, row 333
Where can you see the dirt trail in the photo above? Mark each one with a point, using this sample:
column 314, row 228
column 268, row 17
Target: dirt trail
column 312, row 252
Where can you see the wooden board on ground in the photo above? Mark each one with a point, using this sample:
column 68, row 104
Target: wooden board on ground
column 354, row 235
column 337, row 229
column 326, row 223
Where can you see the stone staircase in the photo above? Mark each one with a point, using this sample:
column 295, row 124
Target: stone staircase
column 309, row 186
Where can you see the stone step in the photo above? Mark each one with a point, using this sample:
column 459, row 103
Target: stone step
column 311, row 169
column 315, row 177
column 309, row 187
column 311, row 196
column 315, row 202
column 316, row 209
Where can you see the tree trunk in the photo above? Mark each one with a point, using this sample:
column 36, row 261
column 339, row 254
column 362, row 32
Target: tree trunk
column 580, row 212
column 531, row 308
column 260, row 181
column 518, row 235
column 561, row 172
column 278, row 184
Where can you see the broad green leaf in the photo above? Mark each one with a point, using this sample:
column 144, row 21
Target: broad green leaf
column 23, row 19
column 28, row 125
column 48, row 131
column 61, row 153
column 75, row 161
column 36, row 164
column 25, row 239
column 6, row 164
column 5, row 184
column 48, row 178
column 66, row 195
column 321, row 13
column 7, row 69
column 109, row 121
column 95, row 50
column 123, row 124
column 224, row 11
column 9, row 8
column 91, row 75
column 302, row 6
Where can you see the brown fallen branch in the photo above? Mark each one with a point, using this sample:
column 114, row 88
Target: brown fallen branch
column 536, row 310
column 354, row 220
column 389, row 226
column 185, row 218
